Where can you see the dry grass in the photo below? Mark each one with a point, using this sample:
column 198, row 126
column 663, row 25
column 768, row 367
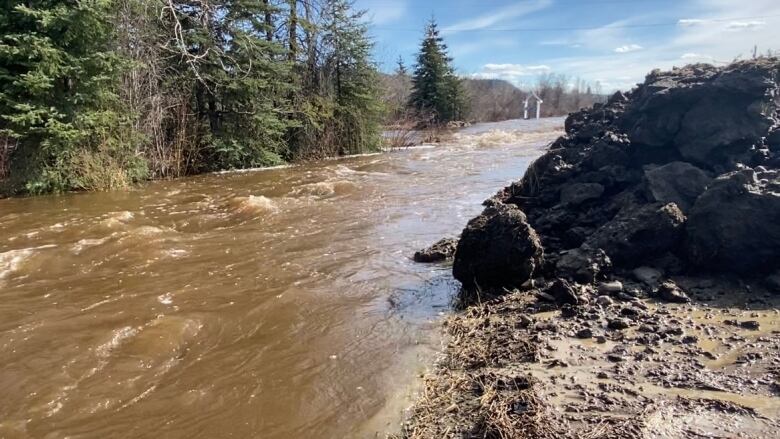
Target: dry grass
column 401, row 135
column 481, row 389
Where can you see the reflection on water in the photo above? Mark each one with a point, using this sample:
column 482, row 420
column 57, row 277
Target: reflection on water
column 277, row 304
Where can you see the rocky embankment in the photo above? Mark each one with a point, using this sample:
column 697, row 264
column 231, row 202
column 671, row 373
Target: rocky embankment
column 625, row 287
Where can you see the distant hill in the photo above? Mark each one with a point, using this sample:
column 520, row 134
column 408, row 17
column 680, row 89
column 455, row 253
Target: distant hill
column 493, row 100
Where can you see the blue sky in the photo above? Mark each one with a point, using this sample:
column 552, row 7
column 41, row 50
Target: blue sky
column 614, row 42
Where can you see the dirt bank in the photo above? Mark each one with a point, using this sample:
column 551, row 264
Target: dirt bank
column 625, row 287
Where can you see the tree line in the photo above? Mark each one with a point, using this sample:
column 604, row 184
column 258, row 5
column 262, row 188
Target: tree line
column 99, row 94
column 434, row 94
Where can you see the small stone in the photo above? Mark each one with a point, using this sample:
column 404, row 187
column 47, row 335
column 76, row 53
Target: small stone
column 602, row 375
column 616, row 358
column 647, row 328
column 670, row 292
column 585, row 333
column 751, row 325
column 441, row 251
column 525, row 321
column 545, row 297
column 610, row 287
column 604, row 301
column 618, row 324
column 568, row 311
column 563, row 292
column 690, row 339
column 629, row 312
column 600, row 339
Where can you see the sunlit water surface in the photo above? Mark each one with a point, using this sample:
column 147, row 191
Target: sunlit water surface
column 276, row 304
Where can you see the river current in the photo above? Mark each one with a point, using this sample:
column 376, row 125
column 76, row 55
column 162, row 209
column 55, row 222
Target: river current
column 277, row 303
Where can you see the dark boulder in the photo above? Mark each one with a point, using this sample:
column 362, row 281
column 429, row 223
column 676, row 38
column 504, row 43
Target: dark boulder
column 441, row 251
column 773, row 140
column 704, row 113
column 670, row 292
column 579, row 193
column 735, row 225
column 498, row 248
column 583, row 265
column 677, row 182
column 638, row 233
column 563, row 292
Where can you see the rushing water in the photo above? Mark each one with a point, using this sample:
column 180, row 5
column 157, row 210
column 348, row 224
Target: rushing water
column 277, row 303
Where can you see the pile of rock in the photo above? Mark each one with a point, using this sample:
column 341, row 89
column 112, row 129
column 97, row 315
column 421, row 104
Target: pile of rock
column 682, row 174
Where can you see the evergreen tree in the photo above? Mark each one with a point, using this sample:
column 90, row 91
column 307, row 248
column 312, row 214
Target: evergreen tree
column 401, row 67
column 97, row 94
column 58, row 100
column 353, row 77
column 437, row 92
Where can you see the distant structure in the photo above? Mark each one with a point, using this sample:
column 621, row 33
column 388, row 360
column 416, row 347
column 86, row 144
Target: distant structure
column 539, row 103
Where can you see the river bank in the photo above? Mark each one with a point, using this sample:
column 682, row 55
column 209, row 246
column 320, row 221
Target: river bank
column 627, row 286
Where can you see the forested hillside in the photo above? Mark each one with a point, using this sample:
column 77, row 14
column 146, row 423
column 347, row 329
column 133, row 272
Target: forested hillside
column 98, row 94
column 491, row 100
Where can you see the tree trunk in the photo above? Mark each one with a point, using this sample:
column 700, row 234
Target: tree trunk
column 269, row 21
column 293, row 36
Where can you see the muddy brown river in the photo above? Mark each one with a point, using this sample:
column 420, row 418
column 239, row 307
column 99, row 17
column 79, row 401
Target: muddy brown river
column 277, row 303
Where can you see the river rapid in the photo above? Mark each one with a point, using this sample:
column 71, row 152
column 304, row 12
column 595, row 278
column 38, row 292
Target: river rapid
column 275, row 303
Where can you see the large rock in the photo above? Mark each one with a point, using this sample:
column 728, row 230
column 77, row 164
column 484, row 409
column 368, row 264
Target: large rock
column 773, row 140
column 704, row 113
column 579, row 193
column 735, row 225
column 638, row 233
column 583, row 265
column 498, row 248
column 677, row 182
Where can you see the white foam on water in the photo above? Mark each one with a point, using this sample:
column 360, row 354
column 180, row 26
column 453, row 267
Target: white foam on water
column 11, row 261
column 117, row 338
column 499, row 138
column 84, row 244
column 325, row 188
column 254, row 204
column 251, row 170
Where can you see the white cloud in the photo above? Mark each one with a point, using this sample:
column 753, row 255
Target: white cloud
column 628, row 48
column 745, row 25
column 695, row 56
column 688, row 22
column 383, row 12
column 705, row 38
column 497, row 16
column 514, row 73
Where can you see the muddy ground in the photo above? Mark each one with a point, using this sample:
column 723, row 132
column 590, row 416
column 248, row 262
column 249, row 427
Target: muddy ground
column 618, row 366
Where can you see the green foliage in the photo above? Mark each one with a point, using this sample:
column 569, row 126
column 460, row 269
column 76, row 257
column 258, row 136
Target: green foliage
column 100, row 94
column 354, row 78
column 58, row 78
column 436, row 91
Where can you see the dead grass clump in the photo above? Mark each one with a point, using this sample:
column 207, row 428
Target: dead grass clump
column 488, row 337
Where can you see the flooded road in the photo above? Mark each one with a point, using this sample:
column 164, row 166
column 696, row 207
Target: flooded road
column 277, row 303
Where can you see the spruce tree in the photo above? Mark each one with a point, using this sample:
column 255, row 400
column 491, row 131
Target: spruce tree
column 58, row 100
column 437, row 93
column 353, row 77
